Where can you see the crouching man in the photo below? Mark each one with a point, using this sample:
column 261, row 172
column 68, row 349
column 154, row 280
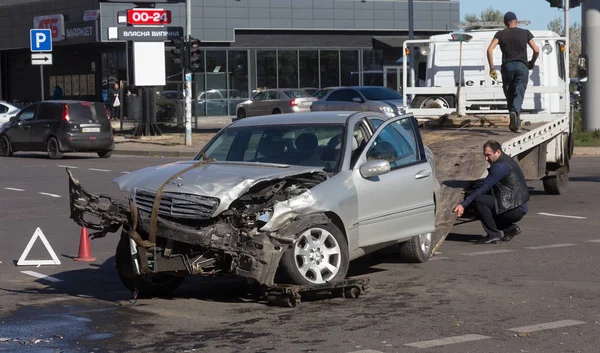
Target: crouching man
column 506, row 204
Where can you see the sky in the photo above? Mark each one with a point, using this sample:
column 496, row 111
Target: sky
column 538, row 12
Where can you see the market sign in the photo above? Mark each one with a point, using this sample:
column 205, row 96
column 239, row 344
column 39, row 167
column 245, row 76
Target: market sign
column 78, row 32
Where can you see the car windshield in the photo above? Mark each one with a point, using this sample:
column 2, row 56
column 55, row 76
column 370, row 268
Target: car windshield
column 297, row 93
column 317, row 145
column 379, row 93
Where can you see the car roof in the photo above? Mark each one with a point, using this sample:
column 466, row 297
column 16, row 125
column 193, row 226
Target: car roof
column 327, row 117
column 65, row 101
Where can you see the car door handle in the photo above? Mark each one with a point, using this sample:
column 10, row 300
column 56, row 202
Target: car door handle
column 46, row 125
column 423, row 174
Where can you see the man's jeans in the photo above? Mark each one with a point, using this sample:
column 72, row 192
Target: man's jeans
column 515, row 76
column 494, row 223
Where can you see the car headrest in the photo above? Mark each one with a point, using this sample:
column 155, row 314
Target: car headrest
column 268, row 147
column 307, row 141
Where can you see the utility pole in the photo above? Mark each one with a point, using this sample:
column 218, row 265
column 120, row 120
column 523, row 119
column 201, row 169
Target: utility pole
column 411, row 36
column 188, row 76
column 567, row 57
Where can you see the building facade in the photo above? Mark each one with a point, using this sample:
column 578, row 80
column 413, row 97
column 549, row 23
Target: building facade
column 246, row 45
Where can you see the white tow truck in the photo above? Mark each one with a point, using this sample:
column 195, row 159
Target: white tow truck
column 461, row 108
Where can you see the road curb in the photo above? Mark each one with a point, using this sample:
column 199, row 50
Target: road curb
column 586, row 151
column 157, row 153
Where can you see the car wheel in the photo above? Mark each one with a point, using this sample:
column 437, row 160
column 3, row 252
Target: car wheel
column 276, row 111
column 5, row 147
column 154, row 285
column 104, row 154
column 319, row 255
column 241, row 114
column 53, row 148
column 417, row 249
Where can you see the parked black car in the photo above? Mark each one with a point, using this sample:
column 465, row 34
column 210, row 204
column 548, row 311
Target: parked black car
column 57, row 127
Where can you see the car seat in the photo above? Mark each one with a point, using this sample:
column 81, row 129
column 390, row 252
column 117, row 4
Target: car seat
column 306, row 149
column 270, row 150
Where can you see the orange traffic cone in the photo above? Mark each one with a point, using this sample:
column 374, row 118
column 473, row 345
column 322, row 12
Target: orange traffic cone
column 85, row 252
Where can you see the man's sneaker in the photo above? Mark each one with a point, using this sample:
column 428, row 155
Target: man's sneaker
column 511, row 232
column 513, row 122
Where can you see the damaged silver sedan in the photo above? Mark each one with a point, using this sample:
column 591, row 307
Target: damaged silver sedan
column 293, row 196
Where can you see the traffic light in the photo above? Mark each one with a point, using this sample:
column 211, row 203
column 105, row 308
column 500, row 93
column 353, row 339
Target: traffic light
column 575, row 3
column 178, row 50
column 556, row 3
column 194, row 53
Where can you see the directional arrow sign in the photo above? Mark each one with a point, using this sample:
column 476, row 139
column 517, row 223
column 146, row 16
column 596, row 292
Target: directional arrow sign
column 41, row 59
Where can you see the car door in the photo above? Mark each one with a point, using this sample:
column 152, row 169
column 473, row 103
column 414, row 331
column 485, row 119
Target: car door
column 338, row 99
column 399, row 204
column 47, row 119
column 355, row 101
column 20, row 132
column 253, row 108
column 270, row 104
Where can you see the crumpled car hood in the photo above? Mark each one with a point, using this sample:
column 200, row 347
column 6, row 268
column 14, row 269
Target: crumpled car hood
column 224, row 180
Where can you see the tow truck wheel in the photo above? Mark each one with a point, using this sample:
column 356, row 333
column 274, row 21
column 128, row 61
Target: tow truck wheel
column 320, row 255
column 418, row 249
column 556, row 184
column 154, row 285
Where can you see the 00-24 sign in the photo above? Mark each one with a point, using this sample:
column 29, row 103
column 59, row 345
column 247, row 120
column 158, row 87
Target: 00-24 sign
column 148, row 17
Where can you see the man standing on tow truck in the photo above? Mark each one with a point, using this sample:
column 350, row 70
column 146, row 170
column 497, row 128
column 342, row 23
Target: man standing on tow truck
column 515, row 67
column 507, row 202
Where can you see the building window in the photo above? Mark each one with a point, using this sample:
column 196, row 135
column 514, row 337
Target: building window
column 349, row 67
column 216, row 84
column 288, row 68
column 238, row 73
column 309, row 68
column 373, row 68
column 266, row 69
column 330, row 68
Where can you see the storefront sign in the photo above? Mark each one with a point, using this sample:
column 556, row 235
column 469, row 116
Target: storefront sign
column 91, row 15
column 56, row 23
column 145, row 34
column 80, row 32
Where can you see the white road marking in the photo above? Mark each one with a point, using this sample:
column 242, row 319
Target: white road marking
column 436, row 258
column 593, row 241
column 125, row 172
column 560, row 215
column 14, row 189
column 490, row 252
column 445, row 341
column 366, row 351
column 67, row 166
column 546, row 326
column 42, row 276
column 549, row 246
column 99, row 170
column 48, row 194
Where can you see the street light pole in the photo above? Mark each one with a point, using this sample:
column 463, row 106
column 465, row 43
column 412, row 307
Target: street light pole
column 411, row 36
column 188, row 76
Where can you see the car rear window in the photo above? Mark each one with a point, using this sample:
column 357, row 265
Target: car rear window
column 297, row 93
column 87, row 111
column 378, row 94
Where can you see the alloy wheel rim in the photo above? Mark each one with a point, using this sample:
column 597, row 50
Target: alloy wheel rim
column 317, row 255
column 52, row 147
column 425, row 242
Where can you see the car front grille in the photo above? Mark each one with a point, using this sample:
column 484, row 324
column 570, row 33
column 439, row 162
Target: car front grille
column 177, row 205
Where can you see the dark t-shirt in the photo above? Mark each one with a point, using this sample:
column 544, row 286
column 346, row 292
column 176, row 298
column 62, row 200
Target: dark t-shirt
column 513, row 43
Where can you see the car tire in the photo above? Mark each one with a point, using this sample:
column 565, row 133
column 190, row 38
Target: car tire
column 53, row 148
column 556, row 184
column 241, row 114
column 276, row 111
column 104, row 154
column 5, row 147
column 306, row 261
column 418, row 249
column 148, row 286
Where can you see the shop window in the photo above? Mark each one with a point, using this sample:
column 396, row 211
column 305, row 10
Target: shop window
column 288, row 68
column 372, row 68
column 309, row 68
column 216, row 83
column 349, row 68
column 266, row 70
column 238, row 74
column 330, row 68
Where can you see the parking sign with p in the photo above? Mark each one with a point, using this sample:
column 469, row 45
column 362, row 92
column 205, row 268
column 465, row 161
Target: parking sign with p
column 40, row 40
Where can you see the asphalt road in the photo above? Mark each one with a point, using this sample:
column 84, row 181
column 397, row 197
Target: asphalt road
column 537, row 293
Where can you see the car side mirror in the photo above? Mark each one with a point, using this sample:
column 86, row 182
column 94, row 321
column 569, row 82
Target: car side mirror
column 357, row 100
column 374, row 168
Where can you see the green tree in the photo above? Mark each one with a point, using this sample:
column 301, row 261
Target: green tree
column 488, row 15
column 556, row 25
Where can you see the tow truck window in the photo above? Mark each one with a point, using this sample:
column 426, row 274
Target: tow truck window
column 561, row 61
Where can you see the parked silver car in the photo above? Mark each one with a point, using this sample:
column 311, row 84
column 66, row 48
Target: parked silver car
column 7, row 111
column 298, row 194
column 361, row 98
column 276, row 101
